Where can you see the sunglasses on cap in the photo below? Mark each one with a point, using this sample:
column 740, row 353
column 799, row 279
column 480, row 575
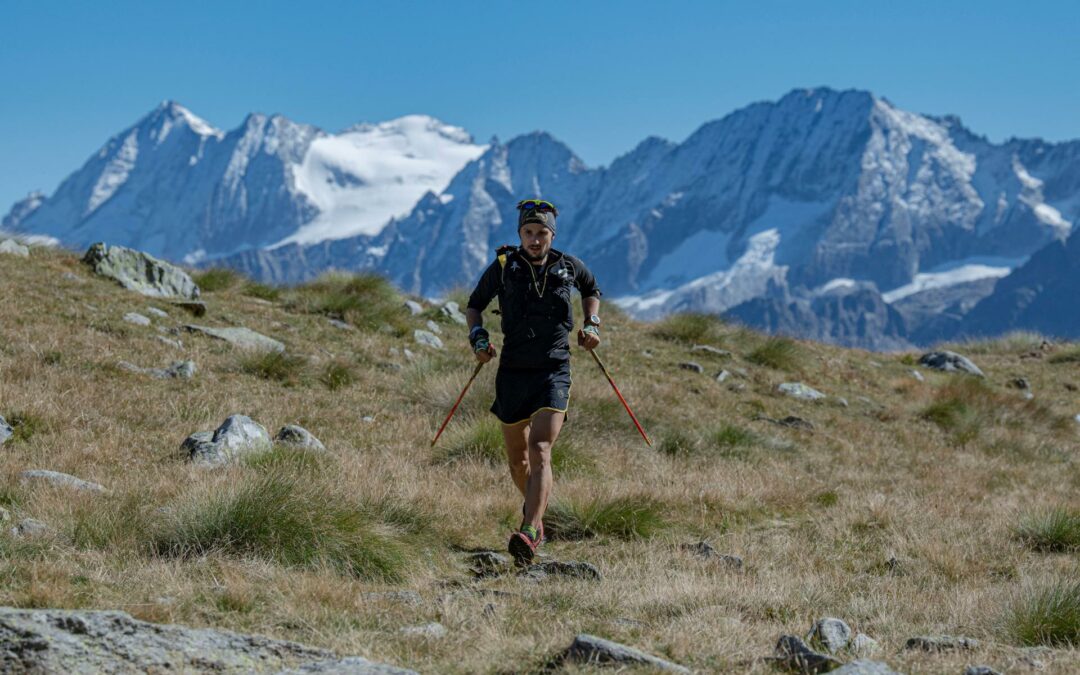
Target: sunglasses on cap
column 537, row 205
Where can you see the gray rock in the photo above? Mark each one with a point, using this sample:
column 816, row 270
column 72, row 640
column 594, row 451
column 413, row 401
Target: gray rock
column 800, row 391
column 434, row 327
column 367, row 419
column 450, row 309
column 830, row 633
column 1020, row 383
column 239, row 337
column 706, row 550
column 950, row 362
column 409, row 354
column 169, row 341
column 12, row 247
column 6, row 432
column 184, row 370
column 795, row 422
column 196, row 308
column 160, row 313
column 980, row 670
column 709, row 349
column 414, row 307
column 296, row 436
column 199, row 446
column 137, row 319
column 864, row 645
column 940, row 643
column 427, row 339
column 918, row 376
column 692, row 366
column 140, row 272
column 5, row 515
column 569, row 568
column 794, row 654
column 432, row 630
column 337, row 323
column 85, row 642
column 488, row 559
column 27, row 527
column 402, row 597
column 863, row 667
column 722, row 376
column 238, row 436
column 61, row 480
column 589, row 649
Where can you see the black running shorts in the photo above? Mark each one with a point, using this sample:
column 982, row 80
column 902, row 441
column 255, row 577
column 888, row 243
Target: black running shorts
column 520, row 394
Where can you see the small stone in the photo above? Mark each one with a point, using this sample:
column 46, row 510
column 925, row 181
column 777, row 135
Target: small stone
column 409, row 354
column 434, row 327
column 337, row 323
column 413, row 307
column 28, row 527
column 950, row 362
column 176, row 344
column 794, row 654
column 647, row 353
column 184, row 370
column 589, row 649
column 1019, row 383
column 401, row 597
column 137, row 319
column 940, row 643
column 706, row 550
column 298, row 437
column 161, row 314
column 433, row 630
column 1069, row 386
column 243, row 338
column 864, row 645
column 5, row 515
column 197, row 308
column 722, row 376
column 980, row 670
column 831, row 633
column 6, row 431
column 795, row 423
column 427, row 339
column 800, row 391
column 841, row 401
column 61, row 480
column 918, row 376
column 12, row 247
column 368, row 419
column 450, row 309
column 709, row 349
column 1028, row 396
column 692, row 366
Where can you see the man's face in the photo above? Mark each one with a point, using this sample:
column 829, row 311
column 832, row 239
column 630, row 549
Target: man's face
column 535, row 240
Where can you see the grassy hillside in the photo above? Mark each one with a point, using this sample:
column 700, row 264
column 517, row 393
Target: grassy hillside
column 944, row 506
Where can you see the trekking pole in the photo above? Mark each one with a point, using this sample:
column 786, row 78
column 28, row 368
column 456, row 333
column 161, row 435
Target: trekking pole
column 600, row 363
column 458, row 402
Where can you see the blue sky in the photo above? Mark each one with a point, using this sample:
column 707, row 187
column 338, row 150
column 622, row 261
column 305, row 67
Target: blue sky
column 600, row 76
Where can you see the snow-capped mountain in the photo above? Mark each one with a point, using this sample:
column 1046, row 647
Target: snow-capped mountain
column 885, row 225
column 175, row 186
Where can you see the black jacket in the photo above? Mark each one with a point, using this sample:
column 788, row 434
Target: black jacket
column 535, row 304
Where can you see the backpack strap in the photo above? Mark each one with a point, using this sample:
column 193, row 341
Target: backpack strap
column 501, row 254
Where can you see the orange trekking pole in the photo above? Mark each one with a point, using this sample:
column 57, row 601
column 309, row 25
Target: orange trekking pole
column 458, row 402
column 621, row 399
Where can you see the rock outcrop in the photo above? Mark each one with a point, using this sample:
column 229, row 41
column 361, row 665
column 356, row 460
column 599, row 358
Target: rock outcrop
column 141, row 272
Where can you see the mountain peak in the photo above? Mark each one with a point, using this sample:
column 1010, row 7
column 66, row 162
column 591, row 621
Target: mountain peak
column 414, row 125
column 170, row 113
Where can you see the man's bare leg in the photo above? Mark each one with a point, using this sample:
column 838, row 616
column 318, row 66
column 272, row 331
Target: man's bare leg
column 545, row 428
column 516, row 438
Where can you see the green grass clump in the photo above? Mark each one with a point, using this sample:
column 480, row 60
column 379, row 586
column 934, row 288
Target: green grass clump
column 338, row 375
column 691, row 328
column 732, row 441
column 963, row 407
column 633, row 517
column 677, row 443
column 367, row 301
column 216, row 279
column 1056, row 529
column 781, row 353
column 570, row 457
column 289, row 521
column 481, row 442
column 300, row 461
column 1071, row 355
column 277, row 366
column 108, row 522
column 1047, row 616
column 24, row 425
column 254, row 289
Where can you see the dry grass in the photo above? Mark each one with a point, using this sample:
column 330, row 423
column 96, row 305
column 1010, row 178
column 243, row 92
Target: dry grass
column 937, row 476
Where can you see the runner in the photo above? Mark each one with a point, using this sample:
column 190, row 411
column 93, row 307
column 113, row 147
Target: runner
column 532, row 387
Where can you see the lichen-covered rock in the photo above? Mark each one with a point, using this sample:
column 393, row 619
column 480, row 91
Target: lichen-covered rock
column 950, row 362
column 81, row 641
column 800, row 391
column 244, row 338
column 794, row 654
column 238, row 436
column 140, row 272
column 61, row 480
column 296, row 436
column 589, row 649
column 451, row 310
column 427, row 338
column 12, row 247
column 830, row 633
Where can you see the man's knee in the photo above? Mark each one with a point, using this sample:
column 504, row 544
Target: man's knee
column 519, row 466
column 540, row 453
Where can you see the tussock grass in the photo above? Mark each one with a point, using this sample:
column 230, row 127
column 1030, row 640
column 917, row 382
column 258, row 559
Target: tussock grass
column 25, row 425
column 292, row 522
column 1070, row 355
column 338, row 375
column 367, row 301
column 254, row 289
column 1010, row 343
column 289, row 460
column 217, row 279
column 632, row 517
column 781, row 353
column 481, row 442
column 289, row 369
column 690, row 328
column 1046, row 615
column 1056, row 529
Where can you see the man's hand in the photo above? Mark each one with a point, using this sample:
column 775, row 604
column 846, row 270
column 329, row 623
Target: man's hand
column 589, row 337
column 485, row 355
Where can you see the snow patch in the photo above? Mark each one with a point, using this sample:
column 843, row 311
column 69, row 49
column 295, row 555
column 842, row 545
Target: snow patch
column 957, row 272
column 115, row 174
column 834, row 285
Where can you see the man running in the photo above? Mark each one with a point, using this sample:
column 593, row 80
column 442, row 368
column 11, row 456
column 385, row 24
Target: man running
column 532, row 387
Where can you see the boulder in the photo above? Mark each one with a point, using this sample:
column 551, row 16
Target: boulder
column 85, row 641
column 800, row 391
column 794, row 654
column 295, row 436
column 950, row 362
column 61, row 480
column 832, row 634
column 451, row 310
column 243, row 338
column 427, row 339
column 12, row 247
column 589, row 649
column 6, row 432
column 414, row 307
column 238, row 436
column 141, row 272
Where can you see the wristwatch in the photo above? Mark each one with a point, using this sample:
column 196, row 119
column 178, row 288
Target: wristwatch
column 592, row 320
